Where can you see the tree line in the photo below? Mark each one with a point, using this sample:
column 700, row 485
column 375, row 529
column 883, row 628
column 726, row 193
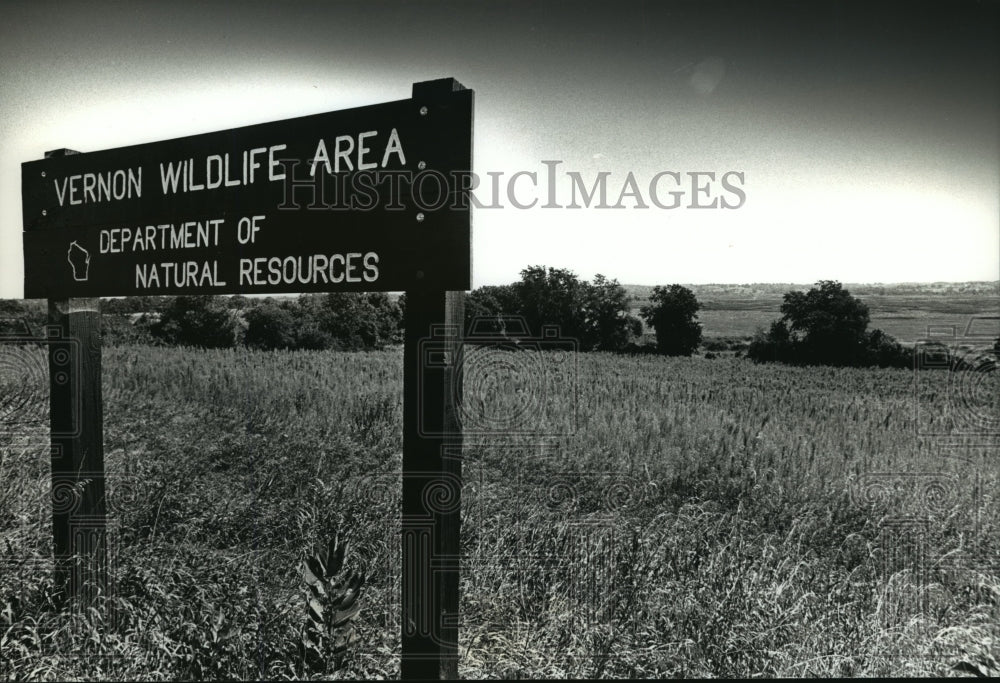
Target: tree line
column 824, row 326
column 339, row 321
column 596, row 314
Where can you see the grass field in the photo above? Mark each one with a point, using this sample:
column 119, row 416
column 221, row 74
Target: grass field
column 680, row 517
column 905, row 317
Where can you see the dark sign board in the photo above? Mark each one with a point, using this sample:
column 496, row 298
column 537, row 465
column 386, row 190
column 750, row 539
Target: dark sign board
column 367, row 199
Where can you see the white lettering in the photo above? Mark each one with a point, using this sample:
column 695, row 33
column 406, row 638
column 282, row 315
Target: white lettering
column 321, row 155
column 272, row 162
column 119, row 192
column 394, row 146
column 344, row 154
column 371, row 266
column 61, row 192
column 170, row 176
column 254, row 164
column 362, row 150
column 210, row 182
column 89, row 180
column 231, row 182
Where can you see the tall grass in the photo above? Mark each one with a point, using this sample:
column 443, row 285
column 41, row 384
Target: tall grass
column 680, row 517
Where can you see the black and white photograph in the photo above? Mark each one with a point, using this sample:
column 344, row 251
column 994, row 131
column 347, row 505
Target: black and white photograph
column 497, row 339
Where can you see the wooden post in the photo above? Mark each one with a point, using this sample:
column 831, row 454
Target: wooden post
column 432, row 465
column 77, row 437
column 432, row 471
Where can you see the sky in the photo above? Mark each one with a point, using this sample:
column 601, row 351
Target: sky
column 864, row 136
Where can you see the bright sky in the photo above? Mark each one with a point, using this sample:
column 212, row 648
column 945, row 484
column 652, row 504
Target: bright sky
column 868, row 141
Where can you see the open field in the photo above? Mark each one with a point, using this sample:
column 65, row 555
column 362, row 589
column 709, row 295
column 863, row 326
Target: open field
column 906, row 317
column 681, row 517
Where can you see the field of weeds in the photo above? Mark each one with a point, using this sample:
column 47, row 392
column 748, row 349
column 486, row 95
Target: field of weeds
column 634, row 516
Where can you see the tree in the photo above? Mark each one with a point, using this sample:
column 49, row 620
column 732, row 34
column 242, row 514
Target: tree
column 357, row 321
column 486, row 307
column 196, row 321
column 672, row 312
column 827, row 326
column 884, row 351
column 238, row 302
column 828, row 321
column 269, row 327
column 553, row 296
column 11, row 308
column 609, row 325
column 595, row 314
column 22, row 317
column 775, row 345
column 307, row 330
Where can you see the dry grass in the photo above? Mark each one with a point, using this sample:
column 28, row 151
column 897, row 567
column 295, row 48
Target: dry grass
column 683, row 517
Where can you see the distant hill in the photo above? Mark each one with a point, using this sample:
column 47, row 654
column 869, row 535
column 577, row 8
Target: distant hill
column 906, row 310
column 771, row 290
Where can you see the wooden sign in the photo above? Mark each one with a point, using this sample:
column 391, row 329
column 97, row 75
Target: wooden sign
column 365, row 199
column 226, row 213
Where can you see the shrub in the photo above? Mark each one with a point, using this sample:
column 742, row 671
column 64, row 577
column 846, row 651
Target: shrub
column 725, row 344
column 672, row 312
column 357, row 321
column 885, row 352
column 269, row 327
column 199, row 321
column 876, row 349
column 125, row 329
column 22, row 317
column 827, row 326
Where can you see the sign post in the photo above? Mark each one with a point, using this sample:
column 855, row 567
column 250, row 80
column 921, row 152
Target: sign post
column 76, row 423
column 432, row 471
column 77, row 448
column 432, row 465
column 359, row 200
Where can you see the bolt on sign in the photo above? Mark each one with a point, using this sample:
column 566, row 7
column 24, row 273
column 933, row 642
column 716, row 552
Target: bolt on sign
column 367, row 199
